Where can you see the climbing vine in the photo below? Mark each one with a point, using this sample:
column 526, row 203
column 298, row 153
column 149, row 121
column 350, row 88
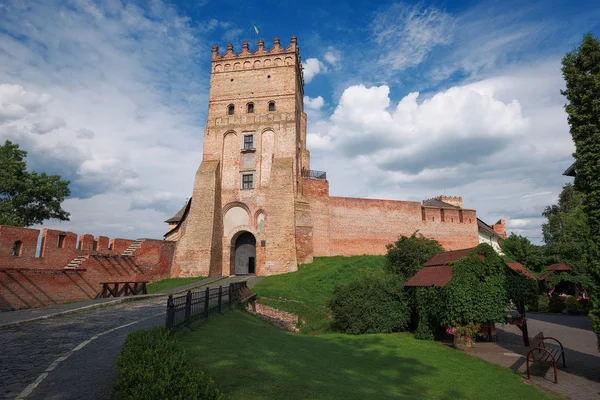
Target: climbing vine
column 480, row 289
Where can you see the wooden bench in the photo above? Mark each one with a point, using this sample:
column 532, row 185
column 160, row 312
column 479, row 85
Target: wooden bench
column 540, row 353
column 112, row 289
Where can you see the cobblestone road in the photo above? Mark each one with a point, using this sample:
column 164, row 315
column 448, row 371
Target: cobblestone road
column 29, row 350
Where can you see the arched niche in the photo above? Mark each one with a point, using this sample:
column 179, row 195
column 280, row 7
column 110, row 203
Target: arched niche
column 266, row 155
column 235, row 216
column 260, row 222
column 231, row 152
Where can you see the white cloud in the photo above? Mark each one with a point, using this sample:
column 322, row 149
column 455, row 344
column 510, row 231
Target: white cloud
column 84, row 133
column 406, row 34
column 16, row 102
column 501, row 142
column 459, row 125
column 313, row 67
column 108, row 95
column 332, row 57
column 314, row 103
column 48, row 124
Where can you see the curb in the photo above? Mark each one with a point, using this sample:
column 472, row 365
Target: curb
column 111, row 303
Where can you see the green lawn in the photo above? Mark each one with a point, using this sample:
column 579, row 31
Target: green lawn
column 170, row 283
column 306, row 292
column 250, row 359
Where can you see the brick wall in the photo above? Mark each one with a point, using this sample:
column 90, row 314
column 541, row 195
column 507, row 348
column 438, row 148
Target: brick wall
column 351, row 226
column 30, row 281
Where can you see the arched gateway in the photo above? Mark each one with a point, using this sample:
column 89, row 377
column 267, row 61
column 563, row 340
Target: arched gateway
column 244, row 249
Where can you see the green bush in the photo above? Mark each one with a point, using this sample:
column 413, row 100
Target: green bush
column 152, row 367
column 572, row 305
column 556, row 304
column 369, row 304
column 542, row 303
column 424, row 332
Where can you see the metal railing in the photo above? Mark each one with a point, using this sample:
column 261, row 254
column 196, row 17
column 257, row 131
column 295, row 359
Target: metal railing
column 182, row 310
column 312, row 174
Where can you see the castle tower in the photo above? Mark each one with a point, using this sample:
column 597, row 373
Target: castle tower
column 247, row 213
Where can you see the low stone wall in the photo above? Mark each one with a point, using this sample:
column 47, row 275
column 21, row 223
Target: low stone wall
column 282, row 319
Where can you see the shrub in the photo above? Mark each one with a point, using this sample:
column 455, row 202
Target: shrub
column 556, row 304
column 572, row 305
column 369, row 304
column 424, row 332
column 542, row 303
column 151, row 366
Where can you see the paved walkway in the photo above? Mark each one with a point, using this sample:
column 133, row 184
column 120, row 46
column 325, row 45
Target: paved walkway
column 72, row 356
column 581, row 378
column 20, row 316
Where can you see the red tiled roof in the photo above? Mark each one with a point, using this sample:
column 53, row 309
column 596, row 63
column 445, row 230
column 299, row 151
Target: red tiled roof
column 431, row 276
column 520, row 268
column 555, row 268
column 447, row 257
column 559, row 267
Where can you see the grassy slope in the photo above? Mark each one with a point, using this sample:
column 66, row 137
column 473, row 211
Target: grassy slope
column 307, row 291
column 170, row 283
column 250, row 359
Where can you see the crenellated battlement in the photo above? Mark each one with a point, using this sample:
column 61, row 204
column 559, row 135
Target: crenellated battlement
column 260, row 58
column 456, row 201
column 260, row 51
column 51, row 248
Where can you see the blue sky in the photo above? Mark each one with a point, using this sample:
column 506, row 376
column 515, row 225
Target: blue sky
column 406, row 100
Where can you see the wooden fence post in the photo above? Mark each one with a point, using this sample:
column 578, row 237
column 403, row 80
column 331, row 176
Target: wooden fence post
column 206, row 300
column 220, row 297
column 188, row 306
column 170, row 312
column 230, row 297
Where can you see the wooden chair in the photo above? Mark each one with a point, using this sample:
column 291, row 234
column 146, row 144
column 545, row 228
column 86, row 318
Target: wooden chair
column 540, row 353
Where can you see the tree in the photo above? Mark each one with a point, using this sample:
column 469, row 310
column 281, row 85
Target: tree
column 567, row 232
column 581, row 71
column 518, row 248
column 28, row 198
column 408, row 255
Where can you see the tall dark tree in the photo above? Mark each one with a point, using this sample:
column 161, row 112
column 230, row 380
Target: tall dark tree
column 567, row 233
column 28, row 198
column 581, row 70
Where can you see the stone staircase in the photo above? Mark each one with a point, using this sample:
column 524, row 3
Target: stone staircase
column 76, row 262
column 133, row 247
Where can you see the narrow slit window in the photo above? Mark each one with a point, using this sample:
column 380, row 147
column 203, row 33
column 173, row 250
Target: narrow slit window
column 247, row 181
column 248, row 142
column 271, row 106
column 250, row 108
column 16, row 250
column 230, row 109
column 61, row 240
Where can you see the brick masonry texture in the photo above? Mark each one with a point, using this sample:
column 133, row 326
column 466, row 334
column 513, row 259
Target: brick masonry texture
column 275, row 317
column 300, row 218
column 30, row 281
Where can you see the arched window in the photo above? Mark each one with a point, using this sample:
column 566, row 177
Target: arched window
column 16, row 250
column 250, row 108
column 271, row 106
column 230, row 109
